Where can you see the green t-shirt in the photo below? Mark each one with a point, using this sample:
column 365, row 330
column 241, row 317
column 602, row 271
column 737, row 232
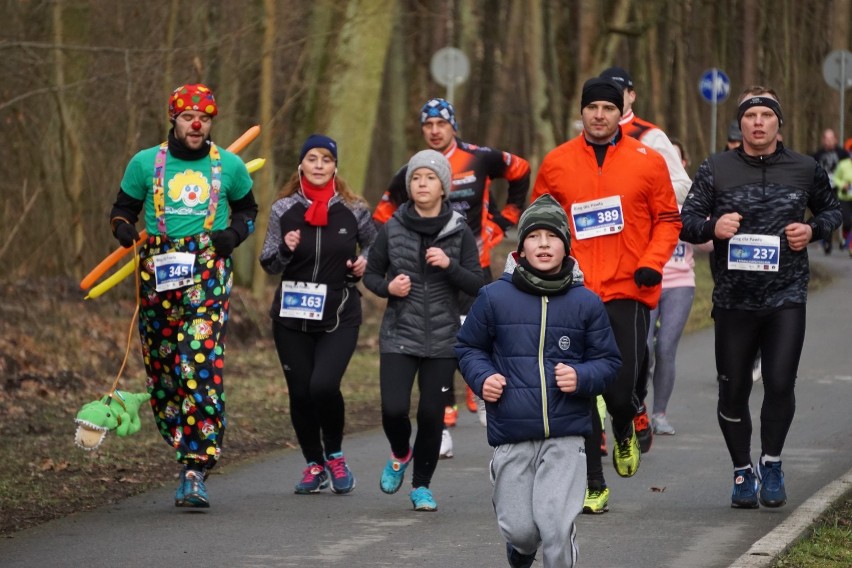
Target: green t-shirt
column 187, row 188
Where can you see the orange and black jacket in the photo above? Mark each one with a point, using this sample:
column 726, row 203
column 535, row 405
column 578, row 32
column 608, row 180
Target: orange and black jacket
column 473, row 169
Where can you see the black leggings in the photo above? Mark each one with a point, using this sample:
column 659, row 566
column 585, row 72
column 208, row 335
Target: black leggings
column 314, row 364
column 629, row 320
column 779, row 334
column 434, row 377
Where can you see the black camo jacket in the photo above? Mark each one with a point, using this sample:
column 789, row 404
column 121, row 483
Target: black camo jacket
column 770, row 192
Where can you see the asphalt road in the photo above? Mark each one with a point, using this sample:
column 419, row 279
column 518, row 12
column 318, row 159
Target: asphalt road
column 674, row 513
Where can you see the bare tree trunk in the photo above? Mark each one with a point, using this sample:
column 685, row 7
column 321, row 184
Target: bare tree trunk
column 265, row 181
column 657, row 60
column 69, row 141
column 169, row 82
column 356, row 83
column 679, row 79
column 389, row 138
column 537, row 40
column 320, row 44
column 558, row 116
column 750, row 10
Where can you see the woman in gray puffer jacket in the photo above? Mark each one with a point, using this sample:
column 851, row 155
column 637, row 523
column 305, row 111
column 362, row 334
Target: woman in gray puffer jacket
column 422, row 258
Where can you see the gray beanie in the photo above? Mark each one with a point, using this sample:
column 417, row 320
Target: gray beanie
column 436, row 162
column 544, row 213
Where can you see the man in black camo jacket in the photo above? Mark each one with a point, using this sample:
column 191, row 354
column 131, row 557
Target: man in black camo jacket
column 752, row 202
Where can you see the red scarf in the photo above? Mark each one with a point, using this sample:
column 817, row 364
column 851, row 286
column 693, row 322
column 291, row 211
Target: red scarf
column 317, row 213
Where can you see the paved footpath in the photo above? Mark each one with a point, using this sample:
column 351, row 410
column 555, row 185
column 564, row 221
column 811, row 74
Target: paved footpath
column 674, row 513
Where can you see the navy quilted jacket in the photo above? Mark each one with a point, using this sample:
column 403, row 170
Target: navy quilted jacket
column 523, row 336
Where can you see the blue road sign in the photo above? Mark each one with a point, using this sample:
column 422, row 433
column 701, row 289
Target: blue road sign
column 714, row 86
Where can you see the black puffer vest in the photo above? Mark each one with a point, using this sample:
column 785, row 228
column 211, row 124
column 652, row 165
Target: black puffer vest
column 425, row 323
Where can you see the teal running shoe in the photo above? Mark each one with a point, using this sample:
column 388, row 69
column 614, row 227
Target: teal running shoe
column 394, row 473
column 179, row 493
column 421, row 498
column 194, row 490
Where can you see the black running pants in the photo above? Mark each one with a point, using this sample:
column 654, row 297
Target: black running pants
column 778, row 333
column 314, row 364
column 629, row 320
column 434, row 377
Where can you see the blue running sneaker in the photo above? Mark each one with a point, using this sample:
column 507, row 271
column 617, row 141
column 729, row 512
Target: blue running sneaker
column 422, row 499
column 314, row 479
column 518, row 560
column 342, row 480
column 180, row 496
column 393, row 473
column 744, row 495
column 772, row 493
column 194, row 490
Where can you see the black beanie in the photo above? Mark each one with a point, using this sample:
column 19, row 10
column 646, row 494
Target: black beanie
column 597, row 89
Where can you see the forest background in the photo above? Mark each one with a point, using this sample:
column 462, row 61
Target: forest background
column 85, row 84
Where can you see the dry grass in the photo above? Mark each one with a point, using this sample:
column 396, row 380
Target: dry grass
column 58, row 353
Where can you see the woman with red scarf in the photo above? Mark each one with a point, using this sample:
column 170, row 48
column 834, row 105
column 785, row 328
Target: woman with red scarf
column 317, row 238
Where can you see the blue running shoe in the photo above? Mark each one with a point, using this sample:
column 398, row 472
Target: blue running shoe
column 422, row 499
column 772, row 493
column 314, row 480
column 518, row 560
column 342, row 480
column 194, row 490
column 393, row 473
column 179, row 493
column 744, row 495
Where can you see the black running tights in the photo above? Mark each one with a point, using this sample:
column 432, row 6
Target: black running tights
column 629, row 320
column 314, row 364
column 779, row 334
column 434, row 377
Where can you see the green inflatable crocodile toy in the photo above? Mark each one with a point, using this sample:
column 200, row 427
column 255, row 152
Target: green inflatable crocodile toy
column 117, row 411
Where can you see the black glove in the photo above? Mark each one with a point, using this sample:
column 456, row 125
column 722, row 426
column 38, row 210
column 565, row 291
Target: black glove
column 647, row 277
column 126, row 234
column 225, row 241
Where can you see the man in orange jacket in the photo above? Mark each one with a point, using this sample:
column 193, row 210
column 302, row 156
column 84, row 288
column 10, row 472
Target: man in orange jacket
column 619, row 198
column 650, row 135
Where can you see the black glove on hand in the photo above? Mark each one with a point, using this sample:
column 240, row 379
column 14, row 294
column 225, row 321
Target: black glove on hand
column 647, row 277
column 225, row 241
column 126, row 234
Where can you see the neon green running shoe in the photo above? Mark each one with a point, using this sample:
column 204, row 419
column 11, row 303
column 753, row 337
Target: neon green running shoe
column 596, row 501
column 626, row 455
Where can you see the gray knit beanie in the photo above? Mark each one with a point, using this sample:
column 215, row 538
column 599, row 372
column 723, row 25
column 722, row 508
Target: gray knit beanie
column 436, row 162
column 544, row 213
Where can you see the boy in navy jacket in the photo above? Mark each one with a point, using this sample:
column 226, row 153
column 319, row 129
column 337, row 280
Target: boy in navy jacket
column 537, row 346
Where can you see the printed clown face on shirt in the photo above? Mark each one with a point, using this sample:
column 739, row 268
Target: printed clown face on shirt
column 189, row 189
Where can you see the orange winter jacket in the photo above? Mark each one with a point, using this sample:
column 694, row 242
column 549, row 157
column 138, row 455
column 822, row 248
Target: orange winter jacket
column 651, row 223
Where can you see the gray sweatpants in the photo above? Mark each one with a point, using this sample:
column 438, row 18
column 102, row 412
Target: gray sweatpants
column 539, row 488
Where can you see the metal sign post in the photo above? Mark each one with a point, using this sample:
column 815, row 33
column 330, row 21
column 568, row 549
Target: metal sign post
column 715, row 87
column 837, row 72
column 449, row 67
